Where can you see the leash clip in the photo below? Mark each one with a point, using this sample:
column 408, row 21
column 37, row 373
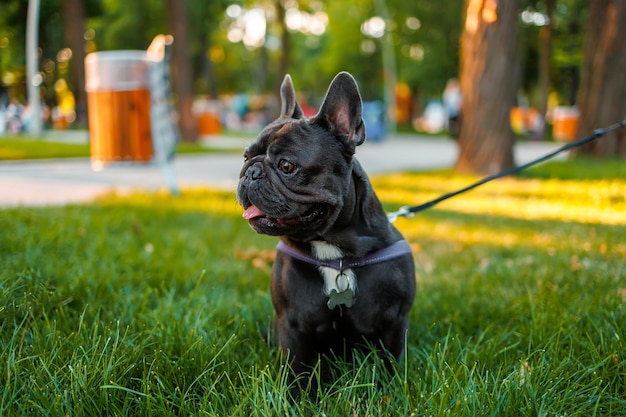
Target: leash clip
column 403, row 212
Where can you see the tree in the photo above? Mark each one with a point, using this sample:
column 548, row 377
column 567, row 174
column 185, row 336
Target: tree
column 127, row 24
column 602, row 94
column 182, row 78
column 488, row 84
column 567, row 45
column 427, row 36
column 208, row 53
column 74, row 13
column 545, row 57
column 285, row 41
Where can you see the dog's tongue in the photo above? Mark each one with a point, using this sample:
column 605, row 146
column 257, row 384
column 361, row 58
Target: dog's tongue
column 252, row 212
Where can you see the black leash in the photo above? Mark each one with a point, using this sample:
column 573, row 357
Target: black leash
column 409, row 211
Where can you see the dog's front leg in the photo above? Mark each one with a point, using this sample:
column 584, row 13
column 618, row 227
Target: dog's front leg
column 297, row 351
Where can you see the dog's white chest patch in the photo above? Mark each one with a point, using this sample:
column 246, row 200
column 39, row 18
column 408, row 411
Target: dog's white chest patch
column 339, row 281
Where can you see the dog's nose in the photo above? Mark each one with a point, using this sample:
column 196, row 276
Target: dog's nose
column 255, row 172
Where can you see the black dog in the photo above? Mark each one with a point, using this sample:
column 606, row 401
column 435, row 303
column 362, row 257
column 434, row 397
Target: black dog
column 343, row 275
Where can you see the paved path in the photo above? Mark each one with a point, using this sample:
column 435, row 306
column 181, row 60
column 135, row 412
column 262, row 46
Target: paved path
column 63, row 181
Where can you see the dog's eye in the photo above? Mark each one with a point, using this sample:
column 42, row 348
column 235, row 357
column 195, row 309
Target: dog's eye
column 287, row 167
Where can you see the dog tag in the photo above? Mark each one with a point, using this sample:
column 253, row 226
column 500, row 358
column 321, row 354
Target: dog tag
column 337, row 298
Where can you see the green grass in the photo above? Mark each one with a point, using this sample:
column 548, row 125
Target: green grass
column 24, row 147
column 150, row 305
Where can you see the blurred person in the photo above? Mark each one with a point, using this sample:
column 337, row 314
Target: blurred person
column 14, row 116
column 433, row 120
column 452, row 99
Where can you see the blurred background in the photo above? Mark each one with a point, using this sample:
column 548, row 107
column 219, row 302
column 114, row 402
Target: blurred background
column 229, row 57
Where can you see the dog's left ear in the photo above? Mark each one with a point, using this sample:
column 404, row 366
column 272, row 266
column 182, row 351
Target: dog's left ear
column 289, row 106
column 342, row 111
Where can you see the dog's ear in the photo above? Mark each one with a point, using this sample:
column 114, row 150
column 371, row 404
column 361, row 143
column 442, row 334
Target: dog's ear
column 342, row 111
column 289, row 106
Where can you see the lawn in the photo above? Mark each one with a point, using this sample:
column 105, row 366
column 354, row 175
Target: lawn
column 150, row 305
column 15, row 148
column 24, row 147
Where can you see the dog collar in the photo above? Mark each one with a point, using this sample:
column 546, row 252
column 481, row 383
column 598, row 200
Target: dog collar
column 400, row 248
column 344, row 294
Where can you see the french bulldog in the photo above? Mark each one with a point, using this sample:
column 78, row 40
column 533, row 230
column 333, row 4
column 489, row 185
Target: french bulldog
column 343, row 276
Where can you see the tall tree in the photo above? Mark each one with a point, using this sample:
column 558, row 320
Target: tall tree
column 74, row 14
column 488, row 84
column 182, row 69
column 602, row 94
column 204, row 46
column 545, row 57
column 285, row 41
column 567, row 48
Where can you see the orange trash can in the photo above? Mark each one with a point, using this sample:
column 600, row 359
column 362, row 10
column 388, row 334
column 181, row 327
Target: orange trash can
column 565, row 123
column 207, row 114
column 118, row 96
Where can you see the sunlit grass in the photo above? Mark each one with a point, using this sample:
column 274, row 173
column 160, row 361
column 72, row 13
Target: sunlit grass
column 149, row 304
column 586, row 201
column 218, row 202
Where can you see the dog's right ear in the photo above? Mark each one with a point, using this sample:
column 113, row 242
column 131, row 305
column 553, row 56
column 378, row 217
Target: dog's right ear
column 289, row 106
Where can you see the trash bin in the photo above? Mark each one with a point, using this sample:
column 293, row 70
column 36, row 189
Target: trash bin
column 374, row 118
column 565, row 123
column 118, row 96
column 208, row 114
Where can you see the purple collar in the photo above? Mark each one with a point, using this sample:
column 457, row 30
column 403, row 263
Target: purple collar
column 400, row 248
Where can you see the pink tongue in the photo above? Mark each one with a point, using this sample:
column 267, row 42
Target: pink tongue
column 252, row 212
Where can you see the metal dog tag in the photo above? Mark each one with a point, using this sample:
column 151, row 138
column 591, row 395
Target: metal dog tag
column 343, row 294
column 338, row 298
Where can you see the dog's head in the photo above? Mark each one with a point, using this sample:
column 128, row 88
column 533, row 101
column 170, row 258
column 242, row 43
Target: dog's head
column 297, row 173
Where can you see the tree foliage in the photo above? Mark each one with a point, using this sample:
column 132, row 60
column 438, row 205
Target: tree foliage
column 428, row 43
column 128, row 24
column 221, row 66
column 426, row 39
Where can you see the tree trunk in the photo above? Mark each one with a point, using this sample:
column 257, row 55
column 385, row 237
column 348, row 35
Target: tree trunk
column 74, row 14
column 488, row 84
column 602, row 94
column 182, row 74
column 545, row 57
column 285, row 39
column 285, row 52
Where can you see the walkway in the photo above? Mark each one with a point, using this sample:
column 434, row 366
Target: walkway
column 63, row 181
